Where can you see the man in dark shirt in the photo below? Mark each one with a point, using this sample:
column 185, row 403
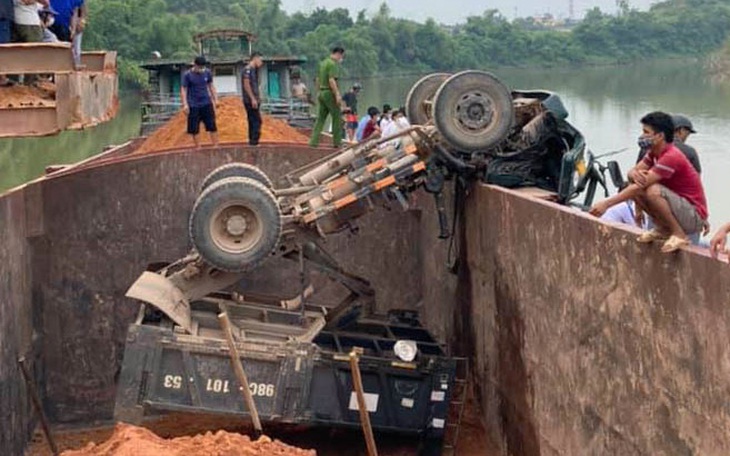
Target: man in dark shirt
column 350, row 98
column 199, row 97
column 252, row 97
column 682, row 129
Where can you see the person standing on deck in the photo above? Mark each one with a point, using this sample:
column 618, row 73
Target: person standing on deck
column 48, row 17
column 199, row 98
column 665, row 185
column 330, row 100
column 27, row 27
column 70, row 24
column 252, row 97
column 350, row 98
column 7, row 15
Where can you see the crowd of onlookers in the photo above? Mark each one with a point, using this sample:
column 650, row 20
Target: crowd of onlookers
column 42, row 21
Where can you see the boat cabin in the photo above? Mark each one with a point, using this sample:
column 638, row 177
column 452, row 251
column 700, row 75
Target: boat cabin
column 227, row 52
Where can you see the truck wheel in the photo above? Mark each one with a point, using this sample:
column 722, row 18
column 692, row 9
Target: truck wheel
column 473, row 110
column 236, row 170
column 420, row 98
column 235, row 224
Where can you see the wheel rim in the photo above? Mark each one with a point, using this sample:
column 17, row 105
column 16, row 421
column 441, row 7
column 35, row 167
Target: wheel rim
column 235, row 228
column 474, row 112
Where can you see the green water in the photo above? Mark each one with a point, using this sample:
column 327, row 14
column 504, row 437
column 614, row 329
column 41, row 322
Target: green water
column 24, row 159
column 605, row 103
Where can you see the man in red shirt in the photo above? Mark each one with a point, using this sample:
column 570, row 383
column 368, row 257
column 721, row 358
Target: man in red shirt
column 371, row 128
column 665, row 185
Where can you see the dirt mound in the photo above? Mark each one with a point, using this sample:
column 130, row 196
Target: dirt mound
column 130, row 440
column 232, row 127
column 21, row 96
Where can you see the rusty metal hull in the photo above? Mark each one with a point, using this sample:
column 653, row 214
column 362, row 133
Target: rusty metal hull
column 76, row 240
column 83, row 98
column 584, row 342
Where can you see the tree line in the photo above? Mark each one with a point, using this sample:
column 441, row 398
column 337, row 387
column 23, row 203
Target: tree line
column 380, row 43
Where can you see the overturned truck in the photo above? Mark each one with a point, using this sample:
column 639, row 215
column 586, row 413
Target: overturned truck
column 467, row 126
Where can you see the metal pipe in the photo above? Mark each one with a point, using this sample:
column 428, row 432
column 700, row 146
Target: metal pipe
column 345, row 158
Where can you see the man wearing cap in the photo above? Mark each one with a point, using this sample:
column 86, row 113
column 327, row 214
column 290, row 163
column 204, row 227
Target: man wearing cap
column 330, row 100
column 48, row 18
column 70, row 24
column 682, row 129
column 199, row 97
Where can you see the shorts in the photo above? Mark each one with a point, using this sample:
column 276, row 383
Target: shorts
column 685, row 213
column 352, row 125
column 27, row 33
column 205, row 114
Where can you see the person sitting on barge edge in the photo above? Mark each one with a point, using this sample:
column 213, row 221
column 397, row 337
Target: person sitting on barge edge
column 665, row 185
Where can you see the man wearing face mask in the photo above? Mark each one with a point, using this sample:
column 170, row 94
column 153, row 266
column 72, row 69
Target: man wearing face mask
column 682, row 129
column 665, row 185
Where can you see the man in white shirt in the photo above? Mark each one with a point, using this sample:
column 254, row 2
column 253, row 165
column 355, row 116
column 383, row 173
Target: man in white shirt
column 27, row 27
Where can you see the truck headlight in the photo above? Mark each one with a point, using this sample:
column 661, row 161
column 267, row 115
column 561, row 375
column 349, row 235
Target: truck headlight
column 406, row 350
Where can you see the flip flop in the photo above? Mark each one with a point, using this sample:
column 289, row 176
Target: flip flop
column 674, row 243
column 647, row 237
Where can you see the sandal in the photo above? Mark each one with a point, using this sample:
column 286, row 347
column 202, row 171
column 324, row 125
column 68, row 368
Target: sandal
column 647, row 237
column 674, row 243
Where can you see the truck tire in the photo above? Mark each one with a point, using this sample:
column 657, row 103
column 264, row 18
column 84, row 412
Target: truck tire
column 235, row 224
column 473, row 111
column 236, row 170
column 420, row 98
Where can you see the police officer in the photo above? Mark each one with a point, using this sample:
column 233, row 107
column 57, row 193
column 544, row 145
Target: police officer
column 330, row 100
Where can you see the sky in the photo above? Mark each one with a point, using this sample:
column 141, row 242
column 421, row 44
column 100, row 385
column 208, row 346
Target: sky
column 449, row 13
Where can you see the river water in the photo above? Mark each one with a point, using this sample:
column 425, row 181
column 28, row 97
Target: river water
column 605, row 103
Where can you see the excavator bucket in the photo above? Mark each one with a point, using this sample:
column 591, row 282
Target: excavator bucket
column 55, row 95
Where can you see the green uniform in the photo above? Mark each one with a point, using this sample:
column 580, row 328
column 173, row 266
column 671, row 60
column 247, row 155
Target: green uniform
column 328, row 68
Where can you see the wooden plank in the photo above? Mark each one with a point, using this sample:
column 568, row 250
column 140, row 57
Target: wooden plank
column 240, row 373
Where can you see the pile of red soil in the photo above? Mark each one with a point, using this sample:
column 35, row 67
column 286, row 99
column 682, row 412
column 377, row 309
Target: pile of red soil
column 232, row 127
column 130, row 440
column 22, row 96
